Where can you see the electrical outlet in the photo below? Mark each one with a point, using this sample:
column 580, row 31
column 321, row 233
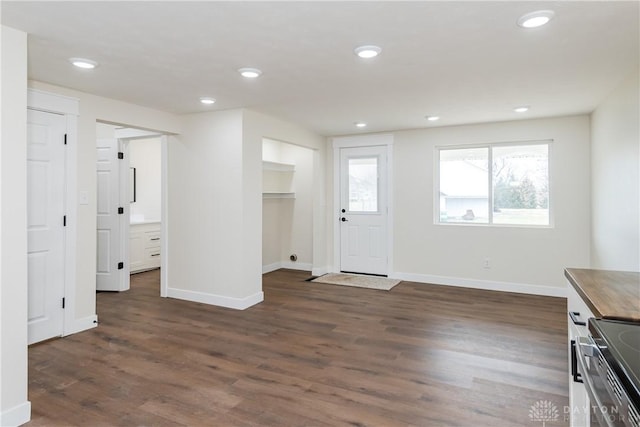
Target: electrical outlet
column 487, row 264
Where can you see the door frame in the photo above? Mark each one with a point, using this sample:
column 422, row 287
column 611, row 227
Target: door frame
column 371, row 140
column 69, row 108
column 125, row 135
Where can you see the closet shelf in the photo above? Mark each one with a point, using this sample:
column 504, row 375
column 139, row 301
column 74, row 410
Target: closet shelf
column 278, row 167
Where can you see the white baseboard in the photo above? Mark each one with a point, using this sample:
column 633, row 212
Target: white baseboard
column 213, row 299
column 302, row 266
column 16, row 416
column 271, row 267
column 319, row 271
column 79, row 325
column 520, row 288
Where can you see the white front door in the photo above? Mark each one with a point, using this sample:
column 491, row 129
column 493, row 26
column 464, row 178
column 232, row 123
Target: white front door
column 363, row 210
column 45, row 224
column 112, row 268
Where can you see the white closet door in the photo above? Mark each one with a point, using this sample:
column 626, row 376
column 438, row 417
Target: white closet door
column 45, row 224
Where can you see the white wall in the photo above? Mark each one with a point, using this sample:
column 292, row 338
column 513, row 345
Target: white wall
column 206, row 210
column 522, row 259
column 287, row 224
column 615, row 188
column 104, row 130
column 145, row 156
column 14, row 406
column 527, row 256
column 92, row 109
column 271, row 232
column 271, row 208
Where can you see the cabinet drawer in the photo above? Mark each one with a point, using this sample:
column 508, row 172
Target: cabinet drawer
column 152, row 253
column 144, row 247
column 152, row 257
column 152, row 239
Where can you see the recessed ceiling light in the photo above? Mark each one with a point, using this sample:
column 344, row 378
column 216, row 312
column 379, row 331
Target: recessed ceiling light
column 207, row 100
column 360, row 124
column 250, row 73
column 87, row 64
column 368, row 51
column 522, row 109
column 432, row 118
column 535, row 19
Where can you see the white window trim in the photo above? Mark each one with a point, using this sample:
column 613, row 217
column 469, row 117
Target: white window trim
column 490, row 145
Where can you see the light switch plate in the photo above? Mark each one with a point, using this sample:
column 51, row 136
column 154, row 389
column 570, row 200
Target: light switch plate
column 84, row 198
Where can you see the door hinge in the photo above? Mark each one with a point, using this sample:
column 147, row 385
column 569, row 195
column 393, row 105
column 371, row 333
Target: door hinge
column 120, row 211
column 64, row 221
column 65, row 139
column 120, row 155
column 120, row 265
column 63, row 302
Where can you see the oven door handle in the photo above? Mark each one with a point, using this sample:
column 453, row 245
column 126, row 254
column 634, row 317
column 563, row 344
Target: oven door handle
column 577, row 376
column 585, row 347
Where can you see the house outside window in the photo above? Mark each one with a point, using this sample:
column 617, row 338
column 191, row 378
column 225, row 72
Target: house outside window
column 499, row 184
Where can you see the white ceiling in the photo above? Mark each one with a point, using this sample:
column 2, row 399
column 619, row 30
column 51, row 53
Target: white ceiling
column 467, row 62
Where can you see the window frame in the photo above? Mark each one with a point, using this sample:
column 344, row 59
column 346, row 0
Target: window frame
column 489, row 146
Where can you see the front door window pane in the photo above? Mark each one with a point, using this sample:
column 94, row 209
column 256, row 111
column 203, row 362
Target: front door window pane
column 363, row 184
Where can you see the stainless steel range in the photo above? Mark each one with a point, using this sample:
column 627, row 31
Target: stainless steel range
column 609, row 363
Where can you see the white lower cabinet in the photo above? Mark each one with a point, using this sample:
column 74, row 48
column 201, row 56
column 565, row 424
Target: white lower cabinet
column 144, row 246
column 577, row 318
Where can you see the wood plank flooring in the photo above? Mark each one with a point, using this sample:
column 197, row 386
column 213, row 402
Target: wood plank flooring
column 309, row 355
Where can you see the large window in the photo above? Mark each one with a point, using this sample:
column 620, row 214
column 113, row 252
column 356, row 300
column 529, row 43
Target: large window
column 505, row 184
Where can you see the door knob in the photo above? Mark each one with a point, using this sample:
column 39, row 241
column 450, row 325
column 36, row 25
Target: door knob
column 343, row 219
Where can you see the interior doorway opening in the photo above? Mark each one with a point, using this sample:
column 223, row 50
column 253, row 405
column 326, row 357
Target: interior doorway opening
column 131, row 213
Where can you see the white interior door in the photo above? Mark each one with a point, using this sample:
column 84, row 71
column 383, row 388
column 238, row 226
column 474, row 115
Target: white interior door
column 45, row 224
column 112, row 267
column 363, row 210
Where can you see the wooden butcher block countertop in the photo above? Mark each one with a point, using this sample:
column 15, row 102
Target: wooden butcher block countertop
column 609, row 294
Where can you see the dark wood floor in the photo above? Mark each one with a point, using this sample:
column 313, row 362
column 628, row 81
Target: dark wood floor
column 309, row 355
